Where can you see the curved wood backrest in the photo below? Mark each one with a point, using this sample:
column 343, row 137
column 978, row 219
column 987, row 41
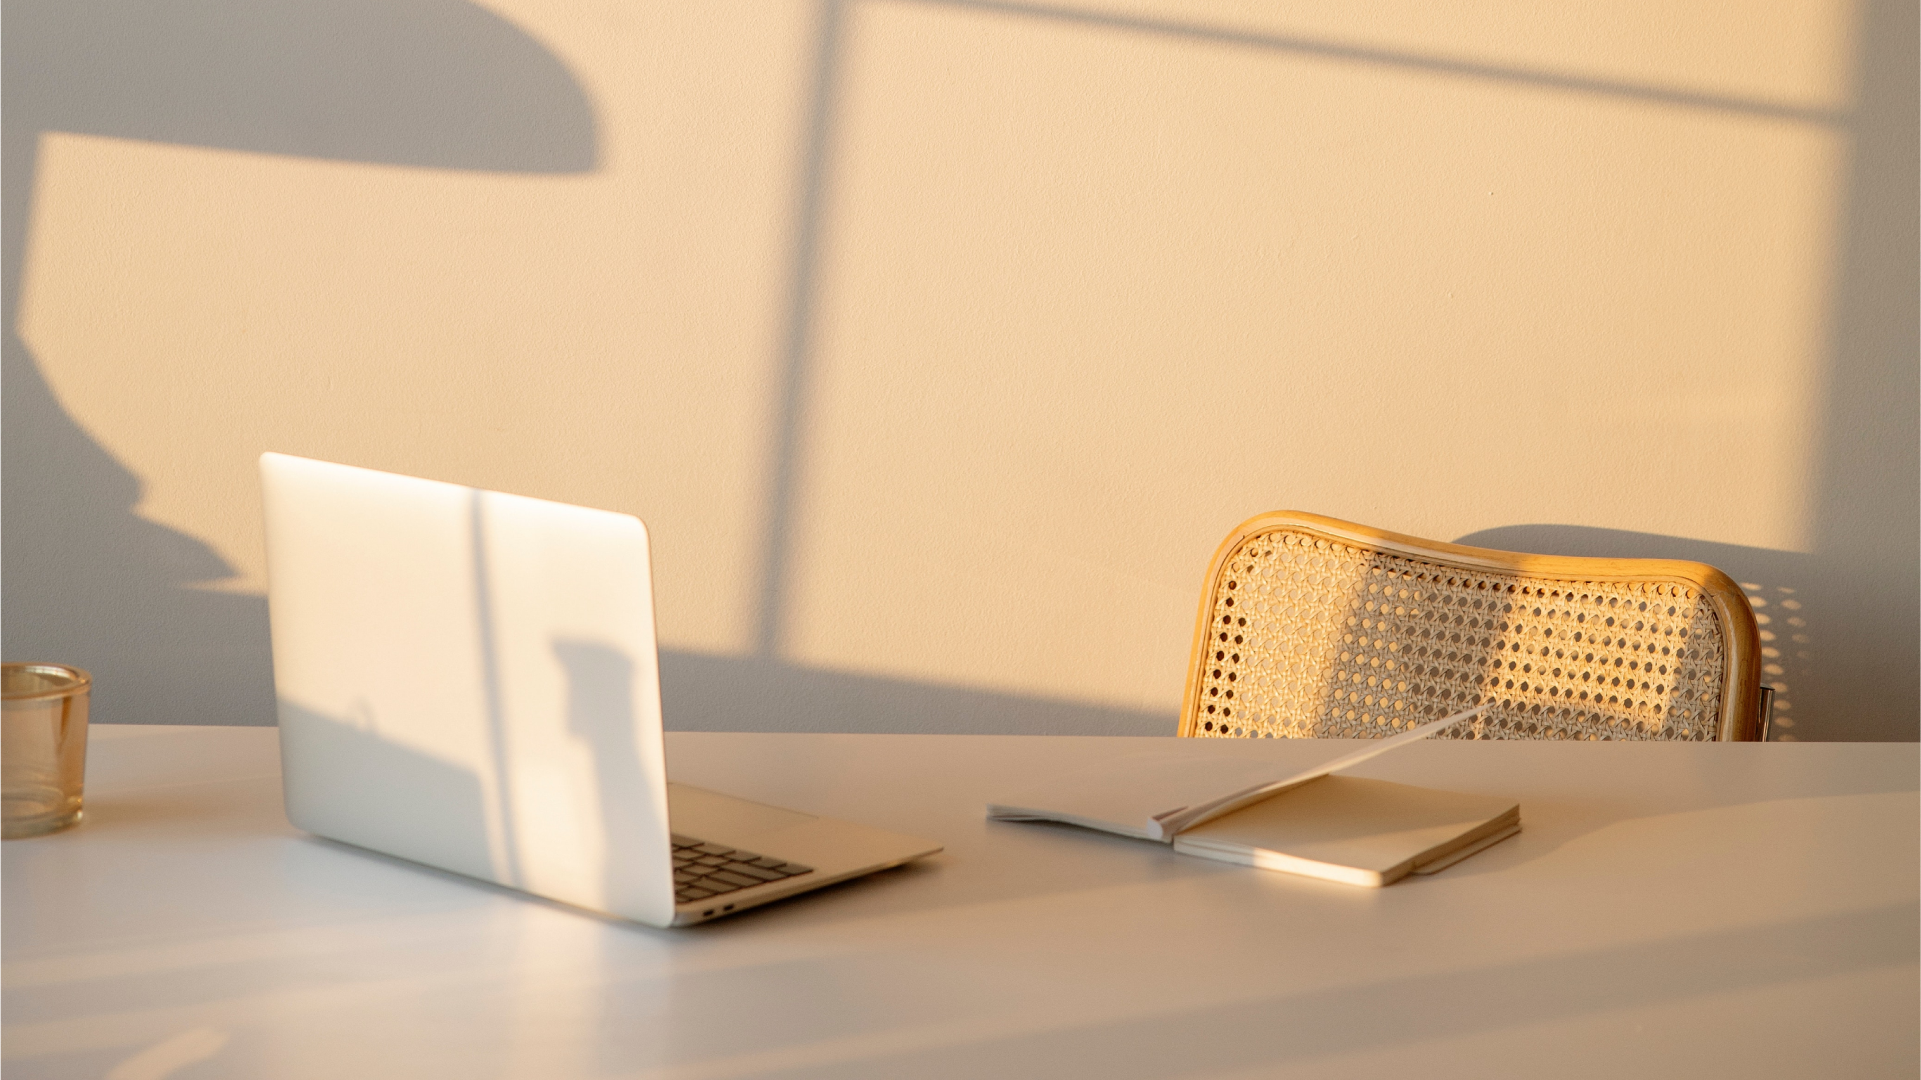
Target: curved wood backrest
column 1315, row 628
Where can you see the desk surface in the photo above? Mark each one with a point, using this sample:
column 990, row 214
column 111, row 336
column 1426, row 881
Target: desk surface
column 1733, row 910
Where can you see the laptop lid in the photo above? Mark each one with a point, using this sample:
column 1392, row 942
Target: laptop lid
column 469, row 680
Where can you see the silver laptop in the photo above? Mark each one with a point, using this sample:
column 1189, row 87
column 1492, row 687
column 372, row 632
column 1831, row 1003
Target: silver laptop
column 469, row 680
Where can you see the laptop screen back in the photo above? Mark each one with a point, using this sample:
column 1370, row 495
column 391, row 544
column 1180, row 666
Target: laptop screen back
column 469, row 680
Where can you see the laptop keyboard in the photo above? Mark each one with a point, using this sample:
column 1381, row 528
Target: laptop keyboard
column 702, row 869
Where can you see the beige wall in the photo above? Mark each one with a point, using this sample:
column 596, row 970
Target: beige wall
column 939, row 342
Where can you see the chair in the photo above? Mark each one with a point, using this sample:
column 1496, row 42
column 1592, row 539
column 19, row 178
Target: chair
column 1316, row 628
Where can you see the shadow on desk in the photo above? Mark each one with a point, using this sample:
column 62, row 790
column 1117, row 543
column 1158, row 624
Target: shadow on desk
column 1771, row 793
column 1247, row 1036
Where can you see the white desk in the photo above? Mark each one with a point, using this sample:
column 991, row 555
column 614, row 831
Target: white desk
column 1670, row 910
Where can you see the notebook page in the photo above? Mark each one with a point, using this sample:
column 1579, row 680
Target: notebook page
column 1124, row 795
column 1167, row 824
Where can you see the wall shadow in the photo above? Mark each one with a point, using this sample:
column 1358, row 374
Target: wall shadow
column 445, row 84
column 428, row 83
column 1534, row 78
column 751, row 693
column 1866, row 512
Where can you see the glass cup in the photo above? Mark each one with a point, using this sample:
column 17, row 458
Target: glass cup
column 43, row 747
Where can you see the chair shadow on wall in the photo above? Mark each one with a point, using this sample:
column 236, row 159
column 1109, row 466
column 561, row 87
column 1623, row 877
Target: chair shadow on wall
column 1787, row 589
column 428, row 83
column 1801, row 601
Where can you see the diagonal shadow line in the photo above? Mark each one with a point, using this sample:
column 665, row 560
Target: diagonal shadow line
column 796, row 353
column 1432, row 65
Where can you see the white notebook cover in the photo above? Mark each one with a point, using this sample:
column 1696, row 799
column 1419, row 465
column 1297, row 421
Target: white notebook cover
column 1358, row 831
column 1352, row 830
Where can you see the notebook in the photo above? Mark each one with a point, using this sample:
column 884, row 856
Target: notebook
column 1340, row 828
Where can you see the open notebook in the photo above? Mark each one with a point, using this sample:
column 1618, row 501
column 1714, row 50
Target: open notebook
column 1347, row 829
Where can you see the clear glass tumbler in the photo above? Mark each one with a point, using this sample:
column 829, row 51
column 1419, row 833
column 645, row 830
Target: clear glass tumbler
column 43, row 747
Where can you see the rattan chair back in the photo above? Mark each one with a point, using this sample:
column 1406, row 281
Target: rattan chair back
column 1316, row 628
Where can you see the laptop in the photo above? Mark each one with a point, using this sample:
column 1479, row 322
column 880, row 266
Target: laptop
column 469, row 680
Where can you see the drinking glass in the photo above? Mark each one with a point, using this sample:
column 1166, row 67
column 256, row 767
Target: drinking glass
column 43, row 747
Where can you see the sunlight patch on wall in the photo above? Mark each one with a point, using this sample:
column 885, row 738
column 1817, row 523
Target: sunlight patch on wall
column 1092, row 292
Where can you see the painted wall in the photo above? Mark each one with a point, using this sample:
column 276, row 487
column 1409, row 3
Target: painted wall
column 939, row 341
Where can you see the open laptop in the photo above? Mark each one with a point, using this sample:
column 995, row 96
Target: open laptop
column 469, row 680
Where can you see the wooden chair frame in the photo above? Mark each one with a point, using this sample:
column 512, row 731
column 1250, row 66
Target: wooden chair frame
column 1741, row 706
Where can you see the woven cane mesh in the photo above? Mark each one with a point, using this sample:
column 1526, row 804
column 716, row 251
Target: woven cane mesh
column 1311, row 638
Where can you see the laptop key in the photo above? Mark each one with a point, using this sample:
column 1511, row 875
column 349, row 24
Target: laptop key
column 712, row 869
